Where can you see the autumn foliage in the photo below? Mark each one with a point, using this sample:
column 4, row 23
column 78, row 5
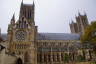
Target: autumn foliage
column 89, row 34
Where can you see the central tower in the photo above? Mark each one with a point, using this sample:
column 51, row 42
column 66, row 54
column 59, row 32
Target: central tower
column 22, row 34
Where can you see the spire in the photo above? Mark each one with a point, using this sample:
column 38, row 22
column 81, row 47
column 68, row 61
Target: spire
column 33, row 4
column 22, row 1
column 13, row 17
column 72, row 21
column 79, row 13
column 85, row 13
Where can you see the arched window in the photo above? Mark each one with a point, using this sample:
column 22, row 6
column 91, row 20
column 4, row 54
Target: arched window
column 62, row 56
column 53, row 57
column 58, row 59
column 30, row 13
column 45, row 59
column 49, row 57
column 19, row 61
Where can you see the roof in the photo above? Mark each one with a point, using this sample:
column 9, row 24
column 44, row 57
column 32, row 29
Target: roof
column 53, row 36
column 58, row 36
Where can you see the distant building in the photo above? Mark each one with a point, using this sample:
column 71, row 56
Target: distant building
column 80, row 24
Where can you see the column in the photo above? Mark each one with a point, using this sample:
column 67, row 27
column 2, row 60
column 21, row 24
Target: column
column 47, row 57
column 55, row 57
column 42, row 60
column 51, row 57
column 60, row 57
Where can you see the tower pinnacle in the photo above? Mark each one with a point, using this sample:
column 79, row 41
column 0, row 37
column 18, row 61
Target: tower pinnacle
column 33, row 4
column 79, row 13
column 22, row 1
column 13, row 18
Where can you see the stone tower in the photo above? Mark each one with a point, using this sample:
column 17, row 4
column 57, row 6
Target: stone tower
column 22, row 34
column 80, row 25
column 27, row 11
column 30, row 56
column 73, row 27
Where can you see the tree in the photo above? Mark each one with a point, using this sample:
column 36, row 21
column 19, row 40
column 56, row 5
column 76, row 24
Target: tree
column 89, row 36
column 66, row 57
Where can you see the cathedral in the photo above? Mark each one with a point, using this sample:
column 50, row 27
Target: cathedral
column 23, row 44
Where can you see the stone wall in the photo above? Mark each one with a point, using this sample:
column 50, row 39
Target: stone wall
column 6, row 59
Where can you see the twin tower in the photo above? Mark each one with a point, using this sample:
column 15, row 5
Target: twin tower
column 80, row 25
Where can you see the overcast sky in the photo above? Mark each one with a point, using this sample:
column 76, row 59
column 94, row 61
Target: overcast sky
column 50, row 15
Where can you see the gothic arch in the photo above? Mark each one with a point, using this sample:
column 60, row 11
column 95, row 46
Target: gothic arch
column 19, row 61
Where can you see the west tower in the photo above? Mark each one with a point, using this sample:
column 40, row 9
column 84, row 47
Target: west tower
column 27, row 11
column 22, row 34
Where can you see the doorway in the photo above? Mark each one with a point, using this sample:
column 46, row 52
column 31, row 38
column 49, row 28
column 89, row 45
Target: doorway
column 19, row 61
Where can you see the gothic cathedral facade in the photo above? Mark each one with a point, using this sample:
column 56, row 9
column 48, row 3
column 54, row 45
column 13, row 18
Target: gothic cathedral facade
column 22, row 34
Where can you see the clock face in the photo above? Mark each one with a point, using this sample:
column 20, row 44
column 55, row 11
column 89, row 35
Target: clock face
column 20, row 35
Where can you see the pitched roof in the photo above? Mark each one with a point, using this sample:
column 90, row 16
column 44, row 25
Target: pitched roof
column 53, row 36
column 58, row 36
